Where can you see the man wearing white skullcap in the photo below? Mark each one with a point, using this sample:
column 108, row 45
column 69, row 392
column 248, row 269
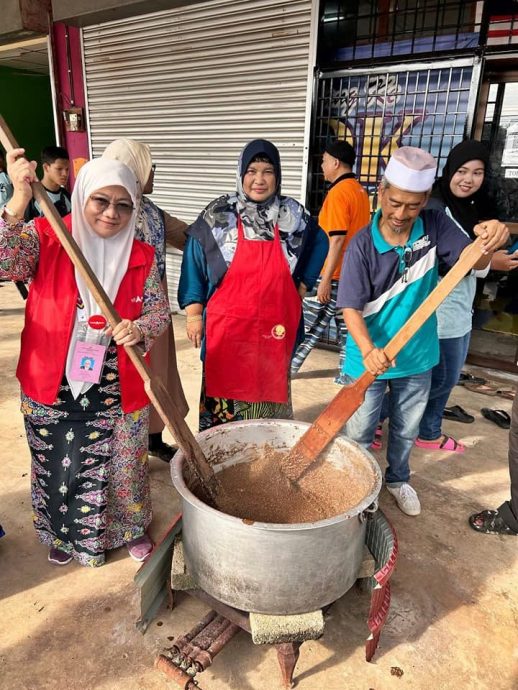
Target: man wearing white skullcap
column 411, row 169
column 391, row 267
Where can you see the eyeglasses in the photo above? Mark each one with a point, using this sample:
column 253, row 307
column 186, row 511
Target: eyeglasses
column 407, row 258
column 122, row 208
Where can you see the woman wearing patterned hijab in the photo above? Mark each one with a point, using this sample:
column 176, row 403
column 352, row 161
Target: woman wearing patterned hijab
column 248, row 261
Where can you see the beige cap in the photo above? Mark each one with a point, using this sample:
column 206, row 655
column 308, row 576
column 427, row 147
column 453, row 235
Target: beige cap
column 411, row 169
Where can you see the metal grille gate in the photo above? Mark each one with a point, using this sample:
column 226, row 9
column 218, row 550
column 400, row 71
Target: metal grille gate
column 377, row 110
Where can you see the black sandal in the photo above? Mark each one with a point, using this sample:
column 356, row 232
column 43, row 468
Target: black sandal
column 499, row 417
column 464, row 377
column 490, row 522
column 457, row 414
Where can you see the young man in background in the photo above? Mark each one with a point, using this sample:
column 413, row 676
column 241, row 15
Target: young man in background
column 56, row 166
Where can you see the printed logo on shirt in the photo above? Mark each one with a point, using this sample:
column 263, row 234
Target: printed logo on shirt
column 137, row 299
column 421, row 243
column 279, row 331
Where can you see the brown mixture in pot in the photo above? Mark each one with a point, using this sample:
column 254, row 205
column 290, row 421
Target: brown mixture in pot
column 259, row 491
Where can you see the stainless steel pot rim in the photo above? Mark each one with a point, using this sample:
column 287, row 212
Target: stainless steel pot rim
column 187, row 495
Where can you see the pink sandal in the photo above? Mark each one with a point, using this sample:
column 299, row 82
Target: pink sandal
column 447, row 443
column 377, row 444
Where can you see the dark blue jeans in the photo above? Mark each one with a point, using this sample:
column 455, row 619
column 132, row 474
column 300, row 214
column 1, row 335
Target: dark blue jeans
column 406, row 401
column 445, row 376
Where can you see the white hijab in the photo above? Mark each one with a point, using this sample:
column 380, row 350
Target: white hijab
column 108, row 257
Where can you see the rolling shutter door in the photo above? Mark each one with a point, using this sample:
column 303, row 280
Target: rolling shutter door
column 196, row 83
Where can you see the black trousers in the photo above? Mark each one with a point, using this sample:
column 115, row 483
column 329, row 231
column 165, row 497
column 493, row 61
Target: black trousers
column 509, row 509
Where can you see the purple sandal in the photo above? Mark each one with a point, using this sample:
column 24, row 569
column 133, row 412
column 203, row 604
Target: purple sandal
column 59, row 557
column 139, row 549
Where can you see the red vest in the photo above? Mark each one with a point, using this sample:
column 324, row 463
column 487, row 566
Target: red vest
column 50, row 314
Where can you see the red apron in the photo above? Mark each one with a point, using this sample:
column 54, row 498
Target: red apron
column 251, row 324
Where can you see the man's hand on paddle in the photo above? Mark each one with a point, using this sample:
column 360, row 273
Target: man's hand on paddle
column 377, row 362
column 494, row 233
column 374, row 358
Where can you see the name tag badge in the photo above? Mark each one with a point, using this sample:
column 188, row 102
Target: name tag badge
column 87, row 362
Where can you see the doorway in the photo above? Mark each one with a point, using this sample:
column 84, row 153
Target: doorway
column 25, row 76
column 495, row 321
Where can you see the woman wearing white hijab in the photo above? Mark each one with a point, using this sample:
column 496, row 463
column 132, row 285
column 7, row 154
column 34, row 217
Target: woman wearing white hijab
column 156, row 227
column 86, row 426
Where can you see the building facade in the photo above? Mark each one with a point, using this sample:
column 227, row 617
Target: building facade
column 196, row 80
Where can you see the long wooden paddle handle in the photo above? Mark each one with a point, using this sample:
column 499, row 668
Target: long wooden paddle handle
column 162, row 401
column 341, row 408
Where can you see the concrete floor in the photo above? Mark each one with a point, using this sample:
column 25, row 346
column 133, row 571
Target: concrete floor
column 454, row 616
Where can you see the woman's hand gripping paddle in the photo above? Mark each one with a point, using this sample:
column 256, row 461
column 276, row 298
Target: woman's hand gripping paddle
column 329, row 423
column 155, row 389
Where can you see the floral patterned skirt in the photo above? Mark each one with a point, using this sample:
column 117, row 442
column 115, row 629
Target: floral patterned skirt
column 90, row 484
column 214, row 411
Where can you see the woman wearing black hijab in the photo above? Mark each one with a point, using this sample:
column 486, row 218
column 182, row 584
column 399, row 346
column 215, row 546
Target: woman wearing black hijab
column 248, row 260
column 460, row 192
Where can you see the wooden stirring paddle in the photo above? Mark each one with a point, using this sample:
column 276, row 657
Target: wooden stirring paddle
column 158, row 394
column 329, row 423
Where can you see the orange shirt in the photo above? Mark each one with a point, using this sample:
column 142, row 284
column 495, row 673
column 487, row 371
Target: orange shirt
column 345, row 208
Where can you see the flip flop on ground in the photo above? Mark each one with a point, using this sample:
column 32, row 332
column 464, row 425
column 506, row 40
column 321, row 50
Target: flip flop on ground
column 443, row 443
column 469, row 378
column 484, row 388
column 507, row 393
column 499, row 417
column 457, row 414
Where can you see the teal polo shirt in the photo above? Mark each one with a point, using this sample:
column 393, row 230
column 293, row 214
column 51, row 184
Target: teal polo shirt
column 388, row 283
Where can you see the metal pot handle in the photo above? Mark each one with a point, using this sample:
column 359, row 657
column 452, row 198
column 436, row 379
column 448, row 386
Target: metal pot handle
column 370, row 510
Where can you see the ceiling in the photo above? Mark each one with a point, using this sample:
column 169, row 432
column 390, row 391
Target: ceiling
column 30, row 55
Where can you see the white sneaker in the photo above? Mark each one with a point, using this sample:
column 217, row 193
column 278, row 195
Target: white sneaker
column 406, row 498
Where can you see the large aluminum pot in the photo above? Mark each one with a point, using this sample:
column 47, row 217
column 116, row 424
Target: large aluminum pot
column 272, row 568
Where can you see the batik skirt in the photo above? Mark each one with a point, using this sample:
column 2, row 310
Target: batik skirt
column 90, row 484
column 214, row 411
